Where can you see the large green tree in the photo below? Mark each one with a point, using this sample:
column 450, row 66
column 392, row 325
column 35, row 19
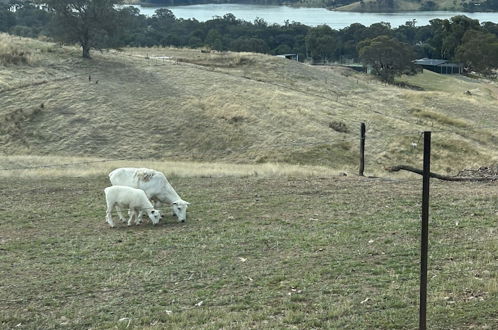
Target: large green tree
column 387, row 57
column 321, row 42
column 91, row 23
column 7, row 18
column 479, row 51
column 447, row 34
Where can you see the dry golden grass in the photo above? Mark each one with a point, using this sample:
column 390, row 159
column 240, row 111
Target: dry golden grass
column 440, row 118
column 52, row 166
column 407, row 5
column 10, row 54
column 356, row 6
column 170, row 104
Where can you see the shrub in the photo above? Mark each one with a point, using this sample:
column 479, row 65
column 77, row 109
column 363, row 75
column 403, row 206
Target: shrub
column 339, row 126
column 12, row 54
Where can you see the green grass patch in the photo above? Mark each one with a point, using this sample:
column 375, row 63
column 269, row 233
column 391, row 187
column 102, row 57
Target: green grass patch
column 339, row 154
column 431, row 81
column 277, row 252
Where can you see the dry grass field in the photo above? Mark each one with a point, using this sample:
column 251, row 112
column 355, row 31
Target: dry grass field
column 183, row 104
column 280, row 232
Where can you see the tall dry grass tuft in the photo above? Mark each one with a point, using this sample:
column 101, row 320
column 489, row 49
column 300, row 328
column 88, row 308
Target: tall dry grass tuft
column 221, row 59
column 54, row 166
column 11, row 53
column 440, row 118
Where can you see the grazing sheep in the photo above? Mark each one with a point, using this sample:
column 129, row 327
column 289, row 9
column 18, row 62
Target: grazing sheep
column 134, row 199
column 155, row 185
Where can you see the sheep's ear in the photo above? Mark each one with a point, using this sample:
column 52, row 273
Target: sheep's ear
column 187, row 203
column 152, row 211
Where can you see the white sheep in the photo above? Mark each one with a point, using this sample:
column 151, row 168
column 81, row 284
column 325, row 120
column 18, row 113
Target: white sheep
column 155, row 185
column 134, row 199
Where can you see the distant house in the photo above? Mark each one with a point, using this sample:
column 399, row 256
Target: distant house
column 440, row 66
column 358, row 67
column 290, row 56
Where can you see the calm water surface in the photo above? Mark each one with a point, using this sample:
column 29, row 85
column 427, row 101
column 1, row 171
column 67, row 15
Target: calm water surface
column 310, row 16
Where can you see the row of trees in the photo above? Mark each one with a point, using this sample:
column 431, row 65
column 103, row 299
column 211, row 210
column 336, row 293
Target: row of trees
column 100, row 24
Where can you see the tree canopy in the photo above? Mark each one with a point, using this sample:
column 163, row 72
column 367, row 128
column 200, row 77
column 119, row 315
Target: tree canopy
column 91, row 23
column 99, row 24
column 479, row 51
column 387, row 56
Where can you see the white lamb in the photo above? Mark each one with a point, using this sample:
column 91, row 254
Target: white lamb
column 133, row 199
column 155, row 185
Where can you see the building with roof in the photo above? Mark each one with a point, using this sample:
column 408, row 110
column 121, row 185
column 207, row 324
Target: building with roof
column 290, row 56
column 440, row 66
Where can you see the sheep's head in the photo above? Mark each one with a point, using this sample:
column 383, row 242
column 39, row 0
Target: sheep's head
column 154, row 216
column 179, row 209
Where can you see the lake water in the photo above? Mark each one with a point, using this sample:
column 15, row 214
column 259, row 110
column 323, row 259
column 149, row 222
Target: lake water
column 310, row 16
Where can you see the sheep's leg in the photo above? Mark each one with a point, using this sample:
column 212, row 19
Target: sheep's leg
column 118, row 210
column 138, row 219
column 132, row 213
column 108, row 216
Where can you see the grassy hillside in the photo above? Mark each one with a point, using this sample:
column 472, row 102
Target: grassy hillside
column 181, row 104
column 351, row 5
column 406, row 5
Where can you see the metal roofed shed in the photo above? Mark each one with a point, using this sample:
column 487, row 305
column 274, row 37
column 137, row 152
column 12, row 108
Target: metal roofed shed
column 440, row 66
column 289, row 56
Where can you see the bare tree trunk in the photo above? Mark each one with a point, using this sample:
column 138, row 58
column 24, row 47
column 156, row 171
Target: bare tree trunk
column 86, row 51
column 85, row 44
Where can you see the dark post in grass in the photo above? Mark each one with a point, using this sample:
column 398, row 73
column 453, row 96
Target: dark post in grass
column 362, row 149
column 424, row 245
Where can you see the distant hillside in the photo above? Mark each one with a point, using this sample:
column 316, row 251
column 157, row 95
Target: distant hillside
column 351, row 5
column 196, row 2
column 182, row 104
column 406, row 5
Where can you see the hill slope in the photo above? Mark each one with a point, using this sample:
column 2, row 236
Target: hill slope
column 343, row 5
column 176, row 104
column 404, row 5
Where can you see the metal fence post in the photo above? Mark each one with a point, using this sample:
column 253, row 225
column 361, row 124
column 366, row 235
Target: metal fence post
column 362, row 149
column 424, row 242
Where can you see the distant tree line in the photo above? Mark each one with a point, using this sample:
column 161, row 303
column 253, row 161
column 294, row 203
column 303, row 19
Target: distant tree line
column 389, row 51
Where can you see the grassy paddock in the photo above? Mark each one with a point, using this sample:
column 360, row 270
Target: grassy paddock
column 256, row 252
